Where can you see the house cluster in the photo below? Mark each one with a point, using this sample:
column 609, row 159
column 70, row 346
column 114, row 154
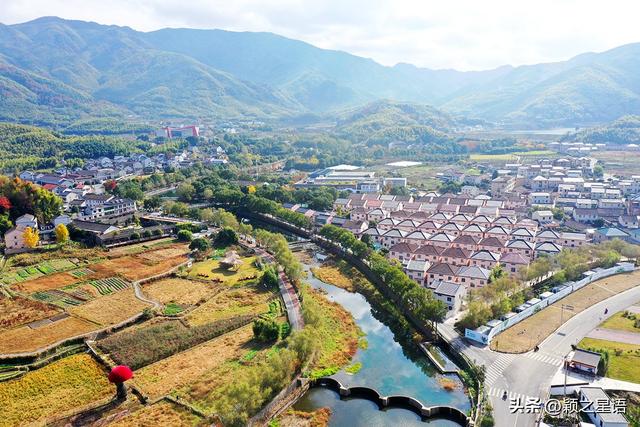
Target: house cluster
column 87, row 202
column 350, row 178
column 447, row 240
column 14, row 241
column 570, row 185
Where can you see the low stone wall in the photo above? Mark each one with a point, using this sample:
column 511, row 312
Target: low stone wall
column 397, row 401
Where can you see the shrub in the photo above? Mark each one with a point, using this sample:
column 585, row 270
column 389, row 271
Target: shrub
column 266, row 330
column 134, row 236
column 185, row 235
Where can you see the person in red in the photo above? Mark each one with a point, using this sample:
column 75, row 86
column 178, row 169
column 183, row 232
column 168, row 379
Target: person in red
column 118, row 375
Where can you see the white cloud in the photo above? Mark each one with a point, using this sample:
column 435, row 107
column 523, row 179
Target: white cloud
column 462, row 34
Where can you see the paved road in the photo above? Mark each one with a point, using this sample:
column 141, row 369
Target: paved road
column 530, row 374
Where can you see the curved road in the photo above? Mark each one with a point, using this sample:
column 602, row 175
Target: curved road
column 529, row 375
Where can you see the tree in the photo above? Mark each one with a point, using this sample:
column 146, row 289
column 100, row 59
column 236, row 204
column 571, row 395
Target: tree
column 207, row 193
column 62, row 233
column 31, row 237
column 496, row 273
column 5, row 223
column 270, row 278
column 5, row 204
column 185, row 192
column 110, row 185
column 265, row 330
column 184, row 236
column 199, row 244
column 598, row 171
column 226, row 237
column 153, row 202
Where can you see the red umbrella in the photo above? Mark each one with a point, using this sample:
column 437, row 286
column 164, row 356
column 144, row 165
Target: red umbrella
column 120, row 374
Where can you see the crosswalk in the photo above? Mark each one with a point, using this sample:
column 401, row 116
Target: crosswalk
column 498, row 392
column 545, row 358
column 495, row 370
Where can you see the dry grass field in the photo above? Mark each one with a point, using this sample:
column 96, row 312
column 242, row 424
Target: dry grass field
column 162, row 413
column 110, row 309
column 175, row 371
column 45, row 283
column 19, row 311
column 524, row 336
column 25, row 339
column 61, row 386
column 231, row 303
column 329, row 273
column 140, row 247
column 180, row 291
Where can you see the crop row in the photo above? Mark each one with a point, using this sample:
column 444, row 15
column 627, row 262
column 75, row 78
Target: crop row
column 109, row 285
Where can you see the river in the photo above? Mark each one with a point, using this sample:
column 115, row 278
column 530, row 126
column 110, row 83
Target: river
column 386, row 368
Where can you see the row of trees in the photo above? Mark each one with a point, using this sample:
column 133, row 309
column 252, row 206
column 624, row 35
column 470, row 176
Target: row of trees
column 18, row 197
column 504, row 292
column 413, row 298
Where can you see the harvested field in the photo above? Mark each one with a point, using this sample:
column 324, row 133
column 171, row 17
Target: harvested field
column 25, row 339
column 110, row 309
column 182, row 368
column 19, row 311
column 45, row 283
column 230, row 303
column 165, row 253
column 530, row 332
column 140, row 247
column 163, row 413
column 61, row 386
column 210, row 269
column 134, row 267
column 180, row 291
column 145, row 345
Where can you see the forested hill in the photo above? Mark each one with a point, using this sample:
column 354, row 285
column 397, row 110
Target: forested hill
column 25, row 147
column 56, row 71
column 625, row 130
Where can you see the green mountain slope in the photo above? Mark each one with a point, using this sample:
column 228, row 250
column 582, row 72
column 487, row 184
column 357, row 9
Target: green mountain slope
column 58, row 70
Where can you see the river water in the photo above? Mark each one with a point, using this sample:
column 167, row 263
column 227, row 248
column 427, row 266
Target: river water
column 385, row 368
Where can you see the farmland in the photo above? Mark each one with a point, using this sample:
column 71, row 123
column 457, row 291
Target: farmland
column 145, row 345
column 180, row 369
column 180, row 291
column 24, row 338
column 231, row 303
column 19, row 311
column 162, row 413
column 61, row 386
column 110, row 309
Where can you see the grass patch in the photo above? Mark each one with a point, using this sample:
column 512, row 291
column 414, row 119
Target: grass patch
column 330, row 273
column 353, row 369
column 211, row 270
column 622, row 321
column 61, row 386
column 624, row 358
column 173, row 309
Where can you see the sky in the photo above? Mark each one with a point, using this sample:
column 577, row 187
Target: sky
column 460, row 34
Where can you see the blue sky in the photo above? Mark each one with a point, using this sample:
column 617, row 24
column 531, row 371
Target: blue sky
column 461, row 34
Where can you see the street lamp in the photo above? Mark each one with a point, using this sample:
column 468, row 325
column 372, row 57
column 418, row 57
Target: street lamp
column 564, row 307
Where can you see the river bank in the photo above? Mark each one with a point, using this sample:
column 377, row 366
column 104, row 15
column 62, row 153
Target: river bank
column 388, row 363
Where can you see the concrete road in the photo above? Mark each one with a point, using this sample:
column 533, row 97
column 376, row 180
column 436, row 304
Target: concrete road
column 529, row 375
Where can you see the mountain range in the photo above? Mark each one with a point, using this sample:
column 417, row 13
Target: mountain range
column 54, row 70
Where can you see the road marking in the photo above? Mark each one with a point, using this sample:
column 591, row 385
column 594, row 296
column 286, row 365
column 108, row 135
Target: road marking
column 498, row 392
column 495, row 370
column 545, row 358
